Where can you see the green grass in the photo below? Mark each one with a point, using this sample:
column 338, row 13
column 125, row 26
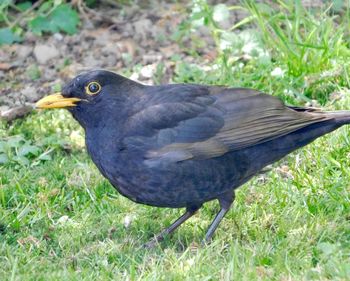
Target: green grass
column 61, row 220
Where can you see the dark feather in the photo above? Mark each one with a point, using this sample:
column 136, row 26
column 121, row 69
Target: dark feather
column 237, row 118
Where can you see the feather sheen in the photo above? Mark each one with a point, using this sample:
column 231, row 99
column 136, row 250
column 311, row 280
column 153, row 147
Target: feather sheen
column 235, row 119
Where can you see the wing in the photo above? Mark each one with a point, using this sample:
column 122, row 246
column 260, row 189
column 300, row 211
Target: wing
column 176, row 113
column 196, row 122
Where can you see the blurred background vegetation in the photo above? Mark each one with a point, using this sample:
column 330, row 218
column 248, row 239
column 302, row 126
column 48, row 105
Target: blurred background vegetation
column 305, row 43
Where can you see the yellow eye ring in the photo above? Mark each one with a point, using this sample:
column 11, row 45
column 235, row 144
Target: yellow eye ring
column 93, row 88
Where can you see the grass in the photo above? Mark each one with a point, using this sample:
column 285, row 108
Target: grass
column 60, row 219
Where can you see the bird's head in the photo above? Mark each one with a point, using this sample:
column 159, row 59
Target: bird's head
column 92, row 95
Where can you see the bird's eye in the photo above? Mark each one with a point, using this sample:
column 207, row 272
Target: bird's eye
column 93, row 88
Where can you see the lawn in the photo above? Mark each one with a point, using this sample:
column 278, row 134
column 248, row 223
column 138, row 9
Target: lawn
column 61, row 220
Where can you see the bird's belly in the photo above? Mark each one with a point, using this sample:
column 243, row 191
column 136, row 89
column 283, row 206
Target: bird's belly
column 185, row 183
column 176, row 185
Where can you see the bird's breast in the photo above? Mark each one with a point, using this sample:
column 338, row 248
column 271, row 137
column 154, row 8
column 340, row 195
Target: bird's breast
column 120, row 165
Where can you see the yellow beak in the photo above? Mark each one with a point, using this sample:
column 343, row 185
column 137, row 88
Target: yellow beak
column 56, row 101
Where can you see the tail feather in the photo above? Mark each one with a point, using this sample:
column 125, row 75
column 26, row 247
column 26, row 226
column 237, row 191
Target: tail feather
column 341, row 116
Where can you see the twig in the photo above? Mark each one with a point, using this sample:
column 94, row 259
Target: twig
column 26, row 12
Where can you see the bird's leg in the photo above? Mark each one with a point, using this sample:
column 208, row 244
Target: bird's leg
column 225, row 204
column 189, row 213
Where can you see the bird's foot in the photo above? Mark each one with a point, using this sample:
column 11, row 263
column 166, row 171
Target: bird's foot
column 150, row 244
column 153, row 242
column 205, row 242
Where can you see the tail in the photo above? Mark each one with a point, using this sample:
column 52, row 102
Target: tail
column 340, row 117
column 275, row 149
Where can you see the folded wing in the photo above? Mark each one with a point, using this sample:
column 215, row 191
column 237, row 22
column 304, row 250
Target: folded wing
column 218, row 121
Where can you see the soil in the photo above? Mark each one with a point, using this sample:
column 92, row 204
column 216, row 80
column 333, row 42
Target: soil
column 109, row 38
column 114, row 38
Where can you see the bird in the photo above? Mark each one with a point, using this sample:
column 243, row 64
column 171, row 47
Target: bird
column 182, row 145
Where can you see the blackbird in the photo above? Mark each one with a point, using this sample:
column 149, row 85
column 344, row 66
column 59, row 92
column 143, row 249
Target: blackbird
column 182, row 145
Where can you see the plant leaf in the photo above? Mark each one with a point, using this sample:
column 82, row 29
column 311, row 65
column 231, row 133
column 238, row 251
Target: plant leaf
column 65, row 19
column 40, row 24
column 8, row 37
column 28, row 149
column 24, row 5
column 21, row 160
column 15, row 141
column 44, row 7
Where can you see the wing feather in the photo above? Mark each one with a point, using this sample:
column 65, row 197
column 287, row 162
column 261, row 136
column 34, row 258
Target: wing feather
column 217, row 121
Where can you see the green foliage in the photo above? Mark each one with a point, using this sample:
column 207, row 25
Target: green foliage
column 62, row 18
column 203, row 14
column 311, row 43
column 48, row 17
column 61, row 220
column 284, row 49
column 7, row 36
column 21, row 152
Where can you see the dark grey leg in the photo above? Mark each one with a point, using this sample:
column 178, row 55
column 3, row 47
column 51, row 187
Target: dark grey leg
column 225, row 204
column 189, row 213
